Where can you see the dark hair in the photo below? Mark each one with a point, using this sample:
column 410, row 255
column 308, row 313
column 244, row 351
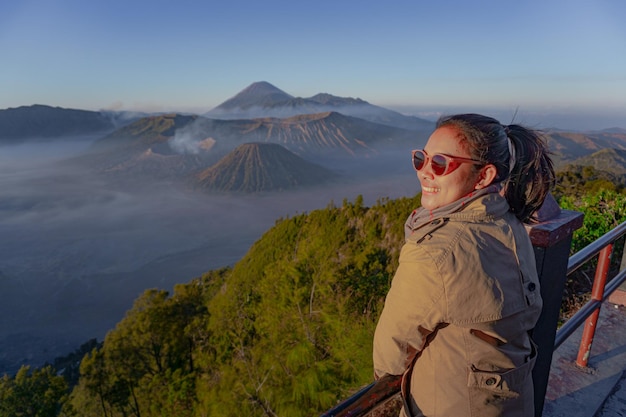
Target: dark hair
column 530, row 179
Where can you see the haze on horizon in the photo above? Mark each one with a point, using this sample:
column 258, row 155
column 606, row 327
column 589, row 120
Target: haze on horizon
column 551, row 64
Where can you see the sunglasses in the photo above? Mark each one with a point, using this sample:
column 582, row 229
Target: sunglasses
column 441, row 164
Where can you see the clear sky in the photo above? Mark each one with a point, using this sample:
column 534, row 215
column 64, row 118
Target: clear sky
column 539, row 55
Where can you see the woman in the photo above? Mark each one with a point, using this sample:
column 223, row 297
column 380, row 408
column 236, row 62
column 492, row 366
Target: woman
column 457, row 317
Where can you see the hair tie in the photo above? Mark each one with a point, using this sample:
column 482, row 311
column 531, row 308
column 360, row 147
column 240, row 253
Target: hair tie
column 511, row 149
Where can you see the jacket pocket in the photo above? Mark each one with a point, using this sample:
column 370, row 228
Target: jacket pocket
column 500, row 390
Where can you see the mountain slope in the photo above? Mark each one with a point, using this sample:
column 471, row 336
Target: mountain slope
column 298, row 310
column 568, row 146
column 46, row 123
column 256, row 167
column 610, row 160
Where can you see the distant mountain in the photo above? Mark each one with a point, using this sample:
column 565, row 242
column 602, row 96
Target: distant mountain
column 610, row 160
column 582, row 174
column 47, row 123
column 618, row 130
column 568, row 146
column 259, row 167
column 262, row 100
column 256, row 94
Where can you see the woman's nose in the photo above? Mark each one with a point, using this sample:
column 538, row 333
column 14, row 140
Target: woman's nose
column 426, row 171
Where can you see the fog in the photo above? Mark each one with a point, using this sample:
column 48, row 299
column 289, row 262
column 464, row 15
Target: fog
column 77, row 249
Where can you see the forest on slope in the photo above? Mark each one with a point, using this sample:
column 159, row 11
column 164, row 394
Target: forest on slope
column 286, row 331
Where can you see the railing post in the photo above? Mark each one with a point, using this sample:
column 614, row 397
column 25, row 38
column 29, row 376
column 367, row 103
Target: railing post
column 619, row 295
column 597, row 294
column 551, row 239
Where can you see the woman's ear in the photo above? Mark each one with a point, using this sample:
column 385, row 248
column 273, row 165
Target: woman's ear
column 486, row 176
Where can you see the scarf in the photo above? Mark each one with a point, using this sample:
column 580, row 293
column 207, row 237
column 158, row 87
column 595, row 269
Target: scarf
column 421, row 216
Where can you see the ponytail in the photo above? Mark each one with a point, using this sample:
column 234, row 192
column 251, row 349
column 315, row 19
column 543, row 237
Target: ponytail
column 532, row 173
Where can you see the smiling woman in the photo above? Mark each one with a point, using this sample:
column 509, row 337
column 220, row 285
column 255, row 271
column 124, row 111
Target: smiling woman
column 465, row 296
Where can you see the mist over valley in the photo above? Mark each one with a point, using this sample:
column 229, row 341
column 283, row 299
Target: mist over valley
column 79, row 245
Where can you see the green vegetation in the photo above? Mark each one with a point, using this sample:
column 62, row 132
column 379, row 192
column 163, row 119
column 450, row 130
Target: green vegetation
column 38, row 393
column 597, row 190
column 576, row 181
column 286, row 332
column 604, row 210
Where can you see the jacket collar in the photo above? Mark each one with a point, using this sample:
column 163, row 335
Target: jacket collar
column 486, row 207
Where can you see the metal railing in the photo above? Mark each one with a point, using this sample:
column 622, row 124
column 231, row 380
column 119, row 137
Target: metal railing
column 603, row 247
column 367, row 398
column 376, row 393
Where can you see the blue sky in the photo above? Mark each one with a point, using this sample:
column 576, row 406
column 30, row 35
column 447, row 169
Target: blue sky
column 559, row 57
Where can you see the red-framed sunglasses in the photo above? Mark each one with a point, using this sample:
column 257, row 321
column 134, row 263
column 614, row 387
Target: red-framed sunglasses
column 440, row 163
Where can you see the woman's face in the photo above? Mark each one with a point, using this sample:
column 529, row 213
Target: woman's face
column 438, row 191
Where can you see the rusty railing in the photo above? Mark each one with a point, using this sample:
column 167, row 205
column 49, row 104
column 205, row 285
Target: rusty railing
column 589, row 312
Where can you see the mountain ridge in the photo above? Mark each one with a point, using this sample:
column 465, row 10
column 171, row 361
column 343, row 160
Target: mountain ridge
column 600, row 160
column 569, row 146
column 40, row 121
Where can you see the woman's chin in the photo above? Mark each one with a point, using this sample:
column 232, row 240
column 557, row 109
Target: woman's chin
column 428, row 203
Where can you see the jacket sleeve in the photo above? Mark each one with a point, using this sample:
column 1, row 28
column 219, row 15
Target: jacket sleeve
column 415, row 305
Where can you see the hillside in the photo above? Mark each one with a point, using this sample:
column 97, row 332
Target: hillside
column 568, row 146
column 613, row 160
column 287, row 331
column 257, row 167
column 602, row 169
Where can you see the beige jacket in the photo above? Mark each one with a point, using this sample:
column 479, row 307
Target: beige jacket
column 462, row 302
